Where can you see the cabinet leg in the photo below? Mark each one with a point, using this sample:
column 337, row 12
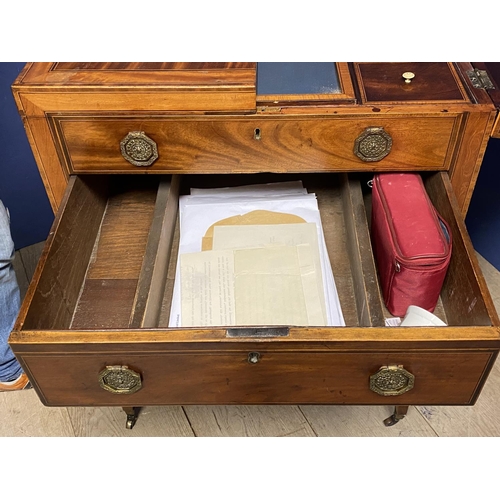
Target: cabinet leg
column 132, row 414
column 399, row 413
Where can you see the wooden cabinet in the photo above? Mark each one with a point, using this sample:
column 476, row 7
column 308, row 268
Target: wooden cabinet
column 85, row 326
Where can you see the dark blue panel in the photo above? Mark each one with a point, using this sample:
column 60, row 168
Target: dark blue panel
column 21, row 188
column 483, row 217
column 297, row 78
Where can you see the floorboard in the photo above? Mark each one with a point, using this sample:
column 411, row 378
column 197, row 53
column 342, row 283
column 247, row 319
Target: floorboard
column 160, row 421
column 23, row 415
column 246, row 421
column 364, row 421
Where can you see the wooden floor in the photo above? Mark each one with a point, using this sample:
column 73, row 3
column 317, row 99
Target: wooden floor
column 22, row 414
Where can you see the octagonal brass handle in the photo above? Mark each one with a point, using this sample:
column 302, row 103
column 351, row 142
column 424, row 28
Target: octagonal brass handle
column 392, row 380
column 139, row 149
column 120, row 380
column 373, row 144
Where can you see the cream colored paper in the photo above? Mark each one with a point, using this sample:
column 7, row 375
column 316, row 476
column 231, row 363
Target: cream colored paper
column 268, row 287
column 258, row 286
column 237, row 237
column 207, row 288
column 312, row 285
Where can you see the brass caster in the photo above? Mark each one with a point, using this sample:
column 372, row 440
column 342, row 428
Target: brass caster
column 392, row 420
column 132, row 415
column 130, row 422
column 399, row 413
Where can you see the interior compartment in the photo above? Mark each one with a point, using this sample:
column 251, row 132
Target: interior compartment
column 110, row 260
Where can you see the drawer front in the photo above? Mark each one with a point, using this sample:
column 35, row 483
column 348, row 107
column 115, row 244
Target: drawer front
column 257, row 144
column 264, row 377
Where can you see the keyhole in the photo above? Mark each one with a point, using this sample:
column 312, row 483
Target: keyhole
column 256, row 134
column 253, row 357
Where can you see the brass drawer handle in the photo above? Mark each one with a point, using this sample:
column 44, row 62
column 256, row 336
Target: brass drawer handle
column 139, row 149
column 392, row 380
column 120, row 380
column 373, row 144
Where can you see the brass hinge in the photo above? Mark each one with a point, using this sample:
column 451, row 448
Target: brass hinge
column 480, row 79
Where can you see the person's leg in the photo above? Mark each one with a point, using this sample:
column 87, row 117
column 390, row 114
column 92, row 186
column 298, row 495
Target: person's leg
column 10, row 370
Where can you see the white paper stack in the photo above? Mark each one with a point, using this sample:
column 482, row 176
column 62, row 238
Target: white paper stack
column 253, row 255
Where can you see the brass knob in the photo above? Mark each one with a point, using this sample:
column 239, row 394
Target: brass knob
column 408, row 76
column 120, row 380
column 253, row 357
column 373, row 144
column 392, row 380
column 139, row 149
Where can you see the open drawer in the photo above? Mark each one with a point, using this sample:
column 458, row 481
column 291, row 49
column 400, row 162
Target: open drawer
column 93, row 327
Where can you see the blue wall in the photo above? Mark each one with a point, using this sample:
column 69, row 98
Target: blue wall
column 21, row 188
column 483, row 217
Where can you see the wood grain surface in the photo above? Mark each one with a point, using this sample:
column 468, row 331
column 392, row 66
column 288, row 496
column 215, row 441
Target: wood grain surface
column 154, row 271
column 104, row 303
column 124, row 230
column 228, row 145
column 149, row 66
column 54, row 293
column 114, row 77
column 436, row 81
column 278, row 378
column 464, row 294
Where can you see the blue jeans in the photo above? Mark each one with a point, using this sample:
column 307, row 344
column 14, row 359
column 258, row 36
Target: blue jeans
column 9, row 300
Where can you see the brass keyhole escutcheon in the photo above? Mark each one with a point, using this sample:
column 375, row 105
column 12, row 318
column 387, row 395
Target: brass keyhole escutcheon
column 253, row 357
column 257, row 134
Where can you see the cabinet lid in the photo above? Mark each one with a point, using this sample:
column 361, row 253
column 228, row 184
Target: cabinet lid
column 208, row 86
column 406, row 82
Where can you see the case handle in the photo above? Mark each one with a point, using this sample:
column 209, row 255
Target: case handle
column 139, row 149
column 392, row 380
column 120, row 380
column 373, row 144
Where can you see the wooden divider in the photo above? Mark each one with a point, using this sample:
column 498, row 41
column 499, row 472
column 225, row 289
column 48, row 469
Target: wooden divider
column 366, row 288
column 153, row 277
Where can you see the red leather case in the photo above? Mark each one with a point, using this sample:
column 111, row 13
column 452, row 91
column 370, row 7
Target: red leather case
column 411, row 242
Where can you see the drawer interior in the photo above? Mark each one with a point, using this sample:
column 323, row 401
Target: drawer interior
column 110, row 260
